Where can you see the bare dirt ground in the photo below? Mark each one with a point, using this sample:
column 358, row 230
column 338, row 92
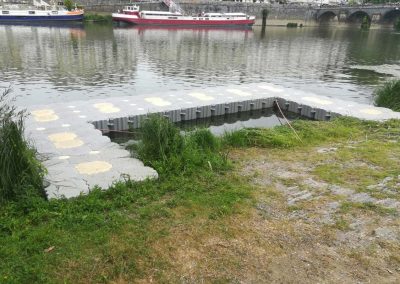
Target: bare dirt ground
column 320, row 215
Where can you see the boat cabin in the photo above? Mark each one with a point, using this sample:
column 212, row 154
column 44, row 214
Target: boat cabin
column 131, row 10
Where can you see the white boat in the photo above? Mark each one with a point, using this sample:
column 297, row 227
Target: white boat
column 38, row 12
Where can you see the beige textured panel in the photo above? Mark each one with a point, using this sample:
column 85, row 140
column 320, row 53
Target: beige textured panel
column 92, row 168
column 271, row 88
column 106, row 107
column 318, row 100
column 63, row 157
column 157, row 101
column 44, row 115
column 69, row 144
column 370, row 111
column 240, row 93
column 201, row 96
column 65, row 140
column 62, row 136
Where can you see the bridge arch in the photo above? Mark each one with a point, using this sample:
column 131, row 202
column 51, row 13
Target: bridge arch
column 327, row 17
column 357, row 17
column 391, row 16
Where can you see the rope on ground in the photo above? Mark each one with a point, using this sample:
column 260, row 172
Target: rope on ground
column 288, row 123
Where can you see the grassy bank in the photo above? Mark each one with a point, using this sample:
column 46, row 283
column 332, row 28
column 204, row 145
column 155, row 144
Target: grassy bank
column 195, row 223
column 98, row 18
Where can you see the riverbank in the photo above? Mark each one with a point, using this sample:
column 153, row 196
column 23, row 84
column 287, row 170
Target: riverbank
column 324, row 209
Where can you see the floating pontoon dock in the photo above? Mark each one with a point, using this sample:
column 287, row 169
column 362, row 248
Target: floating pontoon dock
column 78, row 157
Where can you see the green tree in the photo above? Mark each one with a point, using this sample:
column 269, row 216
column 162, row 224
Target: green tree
column 397, row 24
column 366, row 23
column 68, row 4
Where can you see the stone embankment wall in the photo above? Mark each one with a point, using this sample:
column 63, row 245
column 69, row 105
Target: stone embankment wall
column 278, row 14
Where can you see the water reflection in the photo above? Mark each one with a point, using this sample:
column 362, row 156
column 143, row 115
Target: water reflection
column 54, row 64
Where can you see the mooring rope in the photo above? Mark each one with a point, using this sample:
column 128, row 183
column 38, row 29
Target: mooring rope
column 287, row 121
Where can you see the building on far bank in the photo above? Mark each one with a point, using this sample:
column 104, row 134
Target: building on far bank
column 301, row 2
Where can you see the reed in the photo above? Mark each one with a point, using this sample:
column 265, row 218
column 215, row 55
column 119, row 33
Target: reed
column 388, row 95
column 21, row 173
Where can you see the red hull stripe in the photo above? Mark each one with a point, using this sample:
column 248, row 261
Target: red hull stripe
column 186, row 22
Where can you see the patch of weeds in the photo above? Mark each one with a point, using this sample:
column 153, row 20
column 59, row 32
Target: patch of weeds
column 289, row 182
column 341, row 224
column 360, row 258
column 271, row 193
column 294, row 208
column 347, row 207
column 395, row 258
column 330, row 173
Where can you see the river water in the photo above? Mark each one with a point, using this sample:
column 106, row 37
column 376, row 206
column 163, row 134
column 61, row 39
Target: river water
column 81, row 62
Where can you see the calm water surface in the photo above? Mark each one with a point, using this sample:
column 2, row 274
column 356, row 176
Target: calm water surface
column 60, row 64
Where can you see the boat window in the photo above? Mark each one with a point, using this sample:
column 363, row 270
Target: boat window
column 54, row 12
column 31, row 12
column 172, row 17
column 5, row 12
column 207, row 18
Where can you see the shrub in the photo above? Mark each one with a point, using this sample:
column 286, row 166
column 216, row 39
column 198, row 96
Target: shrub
column 68, row 4
column 366, row 23
column 21, row 174
column 388, row 95
column 397, row 24
column 291, row 25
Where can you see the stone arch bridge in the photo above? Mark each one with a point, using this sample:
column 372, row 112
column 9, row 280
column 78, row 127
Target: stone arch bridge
column 387, row 14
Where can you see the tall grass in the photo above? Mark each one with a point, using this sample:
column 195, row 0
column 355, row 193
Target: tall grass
column 310, row 132
column 388, row 95
column 167, row 150
column 21, row 174
column 163, row 147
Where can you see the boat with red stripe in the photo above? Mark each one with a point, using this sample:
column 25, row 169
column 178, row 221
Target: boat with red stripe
column 133, row 15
